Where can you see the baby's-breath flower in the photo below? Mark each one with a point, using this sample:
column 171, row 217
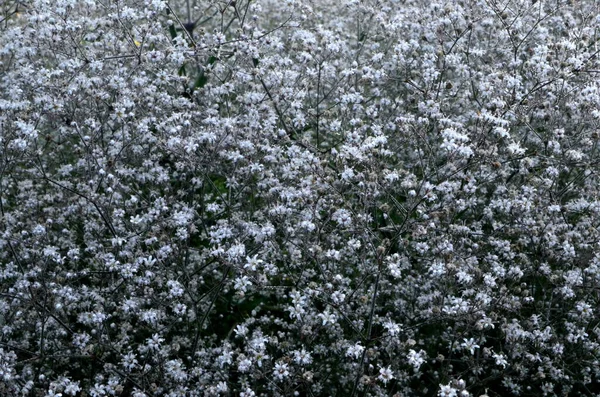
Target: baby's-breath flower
column 355, row 351
column 447, row 391
column 385, row 375
column 470, row 345
column 302, row 357
column 500, row 360
column 415, row 359
column 197, row 202
column 281, row 371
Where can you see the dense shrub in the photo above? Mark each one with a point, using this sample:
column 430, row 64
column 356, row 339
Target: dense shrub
column 299, row 197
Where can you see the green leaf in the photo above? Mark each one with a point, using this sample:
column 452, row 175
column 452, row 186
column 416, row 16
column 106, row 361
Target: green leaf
column 172, row 31
column 219, row 183
column 200, row 80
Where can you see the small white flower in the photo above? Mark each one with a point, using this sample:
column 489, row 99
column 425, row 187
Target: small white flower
column 585, row 309
column 342, row 217
column 392, row 328
column 500, row 360
column 248, row 392
column 515, row 149
column 348, row 174
column 385, row 375
column 447, row 391
column 71, row 389
column 155, row 56
column 302, row 357
column 222, row 387
column 39, row 230
column 416, row 358
column 328, row 318
column 175, row 288
column 241, row 284
column 129, row 361
column 154, row 342
column 253, row 263
column 241, row 330
column 281, row 371
column 136, row 220
column 244, row 365
column 470, row 345
column 355, row 351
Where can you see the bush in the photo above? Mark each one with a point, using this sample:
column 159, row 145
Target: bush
column 256, row 197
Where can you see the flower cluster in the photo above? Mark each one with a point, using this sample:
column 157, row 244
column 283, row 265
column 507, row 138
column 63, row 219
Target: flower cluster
column 299, row 197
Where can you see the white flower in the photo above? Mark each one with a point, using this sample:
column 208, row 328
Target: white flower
column 437, row 269
column 447, row 391
column 328, row 318
column 241, row 330
column 248, row 392
column 392, row 328
column 470, row 345
column 500, row 360
column 241, row 284
column 501, row 132
column 39, row 230
column 585, row 309
column 155, row 342
column 175, row 288
column 302, row 357
column 244, row 365
column 158, row 5
column 281, row 371
column 348, row 174
column 155, row 56
column 253, row 263
column 129, row 361
column 71, row 388
column 515, row 149
column 355, row 351
column 385, row 375
column 222, row 387
column 342, row 217
column 416, row 358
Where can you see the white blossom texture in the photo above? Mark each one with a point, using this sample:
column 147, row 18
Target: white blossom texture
column 299, row 198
